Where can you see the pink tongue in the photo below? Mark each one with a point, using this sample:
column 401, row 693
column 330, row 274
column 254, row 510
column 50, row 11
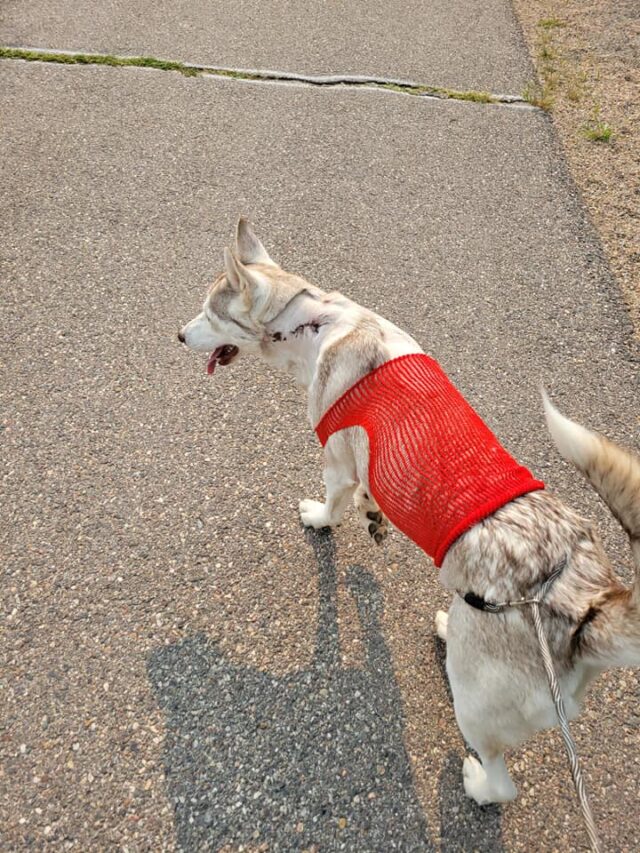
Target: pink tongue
column 211, row 363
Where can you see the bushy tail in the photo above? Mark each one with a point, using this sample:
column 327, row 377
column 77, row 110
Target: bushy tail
column 612, row 471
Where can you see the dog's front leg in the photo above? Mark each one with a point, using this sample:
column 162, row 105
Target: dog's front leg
column 340, row 483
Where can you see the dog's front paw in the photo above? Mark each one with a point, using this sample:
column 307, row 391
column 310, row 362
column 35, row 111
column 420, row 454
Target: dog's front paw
column 442, row 619
column 313, row 514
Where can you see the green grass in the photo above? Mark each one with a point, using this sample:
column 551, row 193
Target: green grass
column 439, row 92
column 576, row 86
column 546, row 46
column 476, row 97
column 598, row 131
column 395, row 87
column 550, row 64
column 194, row 71
column 550, row 23
column 539, row 95
column 558, row 78
column 97, row 59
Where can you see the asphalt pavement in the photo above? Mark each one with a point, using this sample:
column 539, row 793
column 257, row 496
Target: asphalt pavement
column 458, row 43
column 183, row 667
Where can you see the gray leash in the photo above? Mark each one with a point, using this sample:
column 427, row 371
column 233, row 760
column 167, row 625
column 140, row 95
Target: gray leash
column 554, row 687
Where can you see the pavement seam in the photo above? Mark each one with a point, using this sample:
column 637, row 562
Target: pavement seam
column 187, row 69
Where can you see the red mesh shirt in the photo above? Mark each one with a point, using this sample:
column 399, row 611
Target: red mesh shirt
column 435, row 468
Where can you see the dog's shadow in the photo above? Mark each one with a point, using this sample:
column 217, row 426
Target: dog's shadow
column 312, row 758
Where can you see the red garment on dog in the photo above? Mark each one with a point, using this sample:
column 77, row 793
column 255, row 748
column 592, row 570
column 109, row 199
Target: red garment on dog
column 435, row 468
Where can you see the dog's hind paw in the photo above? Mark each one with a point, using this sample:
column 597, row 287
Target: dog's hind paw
column 493, row 787
column 377, row 527
column 442, row 620
column 370, row 516
column 475, row 781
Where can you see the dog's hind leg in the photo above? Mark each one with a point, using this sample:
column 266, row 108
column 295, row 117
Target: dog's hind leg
column 370, row 516
column 480, row 686
column 489, row 781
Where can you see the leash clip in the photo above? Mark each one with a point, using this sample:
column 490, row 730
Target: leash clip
column 480, row 603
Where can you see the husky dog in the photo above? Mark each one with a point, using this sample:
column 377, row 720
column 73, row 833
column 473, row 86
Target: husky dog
column 592, row 622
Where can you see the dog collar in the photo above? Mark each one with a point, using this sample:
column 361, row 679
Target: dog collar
column 480, row 603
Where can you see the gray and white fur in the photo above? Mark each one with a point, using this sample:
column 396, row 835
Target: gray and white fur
column 328, row 342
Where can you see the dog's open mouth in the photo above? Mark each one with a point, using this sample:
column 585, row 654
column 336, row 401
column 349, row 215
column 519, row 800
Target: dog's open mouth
column 221, row 355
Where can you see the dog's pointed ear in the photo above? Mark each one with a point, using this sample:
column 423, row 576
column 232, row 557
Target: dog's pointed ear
column 239, row 277
column 249, row 249
column 232, row 268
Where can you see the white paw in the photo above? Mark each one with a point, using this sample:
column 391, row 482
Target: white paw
column 494, row 788
column 475, row 781
column 313, row 514
column 442, row 619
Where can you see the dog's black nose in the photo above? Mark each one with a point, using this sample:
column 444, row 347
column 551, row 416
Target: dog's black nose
column 181, row 337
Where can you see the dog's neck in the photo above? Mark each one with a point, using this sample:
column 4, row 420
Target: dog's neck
column 294, row 338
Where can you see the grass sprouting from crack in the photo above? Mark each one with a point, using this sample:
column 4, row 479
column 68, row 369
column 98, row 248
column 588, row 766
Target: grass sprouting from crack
column 539, row 95
column 438, row 92
column 97, row 59
column 124, row 62
column 477, row 97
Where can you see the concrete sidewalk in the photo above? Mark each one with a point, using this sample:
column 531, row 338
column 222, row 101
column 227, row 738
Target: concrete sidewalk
column 185, row 667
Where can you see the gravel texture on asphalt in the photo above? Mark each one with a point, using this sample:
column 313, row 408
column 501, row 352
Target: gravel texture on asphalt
column 184, row 666
column 313, row 755
column 454, row 43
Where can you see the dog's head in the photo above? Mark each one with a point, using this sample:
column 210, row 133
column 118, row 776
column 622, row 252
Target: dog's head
column 242, row 300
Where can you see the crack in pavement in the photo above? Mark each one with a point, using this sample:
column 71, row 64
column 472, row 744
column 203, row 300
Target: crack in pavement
column 403, row 87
